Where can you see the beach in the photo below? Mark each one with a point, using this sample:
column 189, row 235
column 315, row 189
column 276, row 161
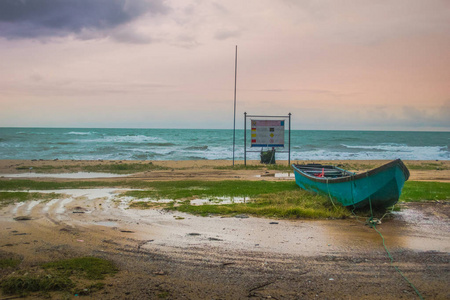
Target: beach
column 172, row 255
column 422, row 170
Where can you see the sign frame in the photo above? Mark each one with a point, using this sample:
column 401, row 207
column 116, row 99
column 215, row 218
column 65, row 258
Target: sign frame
column 267, row 145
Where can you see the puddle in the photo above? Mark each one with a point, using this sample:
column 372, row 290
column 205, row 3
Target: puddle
column 88, row 193
column 208, row 201
column 277, row 175
column 107, row 223
column 79, row 175
column 220, row 201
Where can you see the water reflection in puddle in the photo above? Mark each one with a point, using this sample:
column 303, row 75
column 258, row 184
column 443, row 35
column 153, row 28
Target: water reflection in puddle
column 107, row 223
column 277, row 175
column 204, row 201
column 78, row 175
column 220, row 201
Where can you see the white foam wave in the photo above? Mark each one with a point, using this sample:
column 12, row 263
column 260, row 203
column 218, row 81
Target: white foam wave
column 137, row 139
column 78, row 133
column 405, row 153
column 396, row 147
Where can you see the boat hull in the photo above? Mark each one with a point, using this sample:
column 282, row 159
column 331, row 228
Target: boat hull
column 380, row 187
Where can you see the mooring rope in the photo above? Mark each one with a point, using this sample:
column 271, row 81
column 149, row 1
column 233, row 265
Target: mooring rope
column 329, row 195
column 370, row 221
column 395, row 267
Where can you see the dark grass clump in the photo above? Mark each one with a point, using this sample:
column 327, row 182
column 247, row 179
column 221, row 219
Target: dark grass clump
column 88, row 267
column 29, row 283
column 9, row 263
column 76, row 276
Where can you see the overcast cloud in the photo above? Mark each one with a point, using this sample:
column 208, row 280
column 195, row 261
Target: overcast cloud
column 81, row 18
column 363, row 64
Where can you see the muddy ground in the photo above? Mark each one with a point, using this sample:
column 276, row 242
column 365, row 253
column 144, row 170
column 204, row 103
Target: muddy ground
column 170, row 255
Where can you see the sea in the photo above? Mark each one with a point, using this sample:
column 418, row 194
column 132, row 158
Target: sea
column 215, row 144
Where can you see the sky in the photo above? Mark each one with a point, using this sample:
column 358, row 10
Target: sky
column 335, row 65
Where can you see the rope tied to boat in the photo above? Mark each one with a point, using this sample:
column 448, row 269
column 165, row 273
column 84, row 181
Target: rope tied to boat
column 392, row 262
column 329, row 195
column 372, row 222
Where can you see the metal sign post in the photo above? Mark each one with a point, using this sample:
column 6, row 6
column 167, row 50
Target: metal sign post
column 234, row 119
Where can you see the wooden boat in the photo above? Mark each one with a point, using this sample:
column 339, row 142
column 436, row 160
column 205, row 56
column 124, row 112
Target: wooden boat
column 380, row 187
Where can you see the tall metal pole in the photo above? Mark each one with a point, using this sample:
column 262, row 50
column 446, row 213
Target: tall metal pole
column 289, row 160
column 245, row 138
column 234, row 121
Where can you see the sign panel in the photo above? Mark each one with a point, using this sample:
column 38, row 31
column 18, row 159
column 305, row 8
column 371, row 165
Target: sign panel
column 267, row 133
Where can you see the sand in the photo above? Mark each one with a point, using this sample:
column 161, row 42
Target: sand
column 173, row 255
column 207, row 169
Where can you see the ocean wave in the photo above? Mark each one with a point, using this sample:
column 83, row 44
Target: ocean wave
column 398, row 148
column 195, row 158
column 78, row 133
column 132, row 139
column 202, row 148
column 411, row 153
column 145, row 144
column 147, row 156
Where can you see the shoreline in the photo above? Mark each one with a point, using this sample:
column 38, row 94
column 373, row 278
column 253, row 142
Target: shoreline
column 421, row 170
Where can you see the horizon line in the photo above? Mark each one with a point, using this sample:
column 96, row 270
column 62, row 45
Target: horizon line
column 159, row 128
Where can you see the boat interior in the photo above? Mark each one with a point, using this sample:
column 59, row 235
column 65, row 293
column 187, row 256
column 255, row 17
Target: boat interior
column 323, row 171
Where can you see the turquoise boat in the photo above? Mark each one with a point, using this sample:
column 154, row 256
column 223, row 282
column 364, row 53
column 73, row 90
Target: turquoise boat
column 380, row 187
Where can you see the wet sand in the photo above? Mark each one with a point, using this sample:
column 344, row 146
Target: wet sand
column 182, row 256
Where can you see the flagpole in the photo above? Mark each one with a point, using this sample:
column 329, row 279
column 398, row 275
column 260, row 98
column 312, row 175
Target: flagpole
column 234, row 121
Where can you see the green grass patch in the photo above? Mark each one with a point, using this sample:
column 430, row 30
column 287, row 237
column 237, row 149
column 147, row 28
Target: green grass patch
column 279, row 167
column 25, row 184
column 23, row 285
column 87, row 267
column 123, row 168
column 201, row 189
column 426, row 166
column 279, row 199
column 415, row 191
column 240, row 167
column 255, row 167
column 75, row 276
column 9, row 263
column 41, row 169
column 116, row 168
column 285, row 204
column 7, row 198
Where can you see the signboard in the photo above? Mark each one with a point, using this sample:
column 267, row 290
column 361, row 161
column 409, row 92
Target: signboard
column 267, row 133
